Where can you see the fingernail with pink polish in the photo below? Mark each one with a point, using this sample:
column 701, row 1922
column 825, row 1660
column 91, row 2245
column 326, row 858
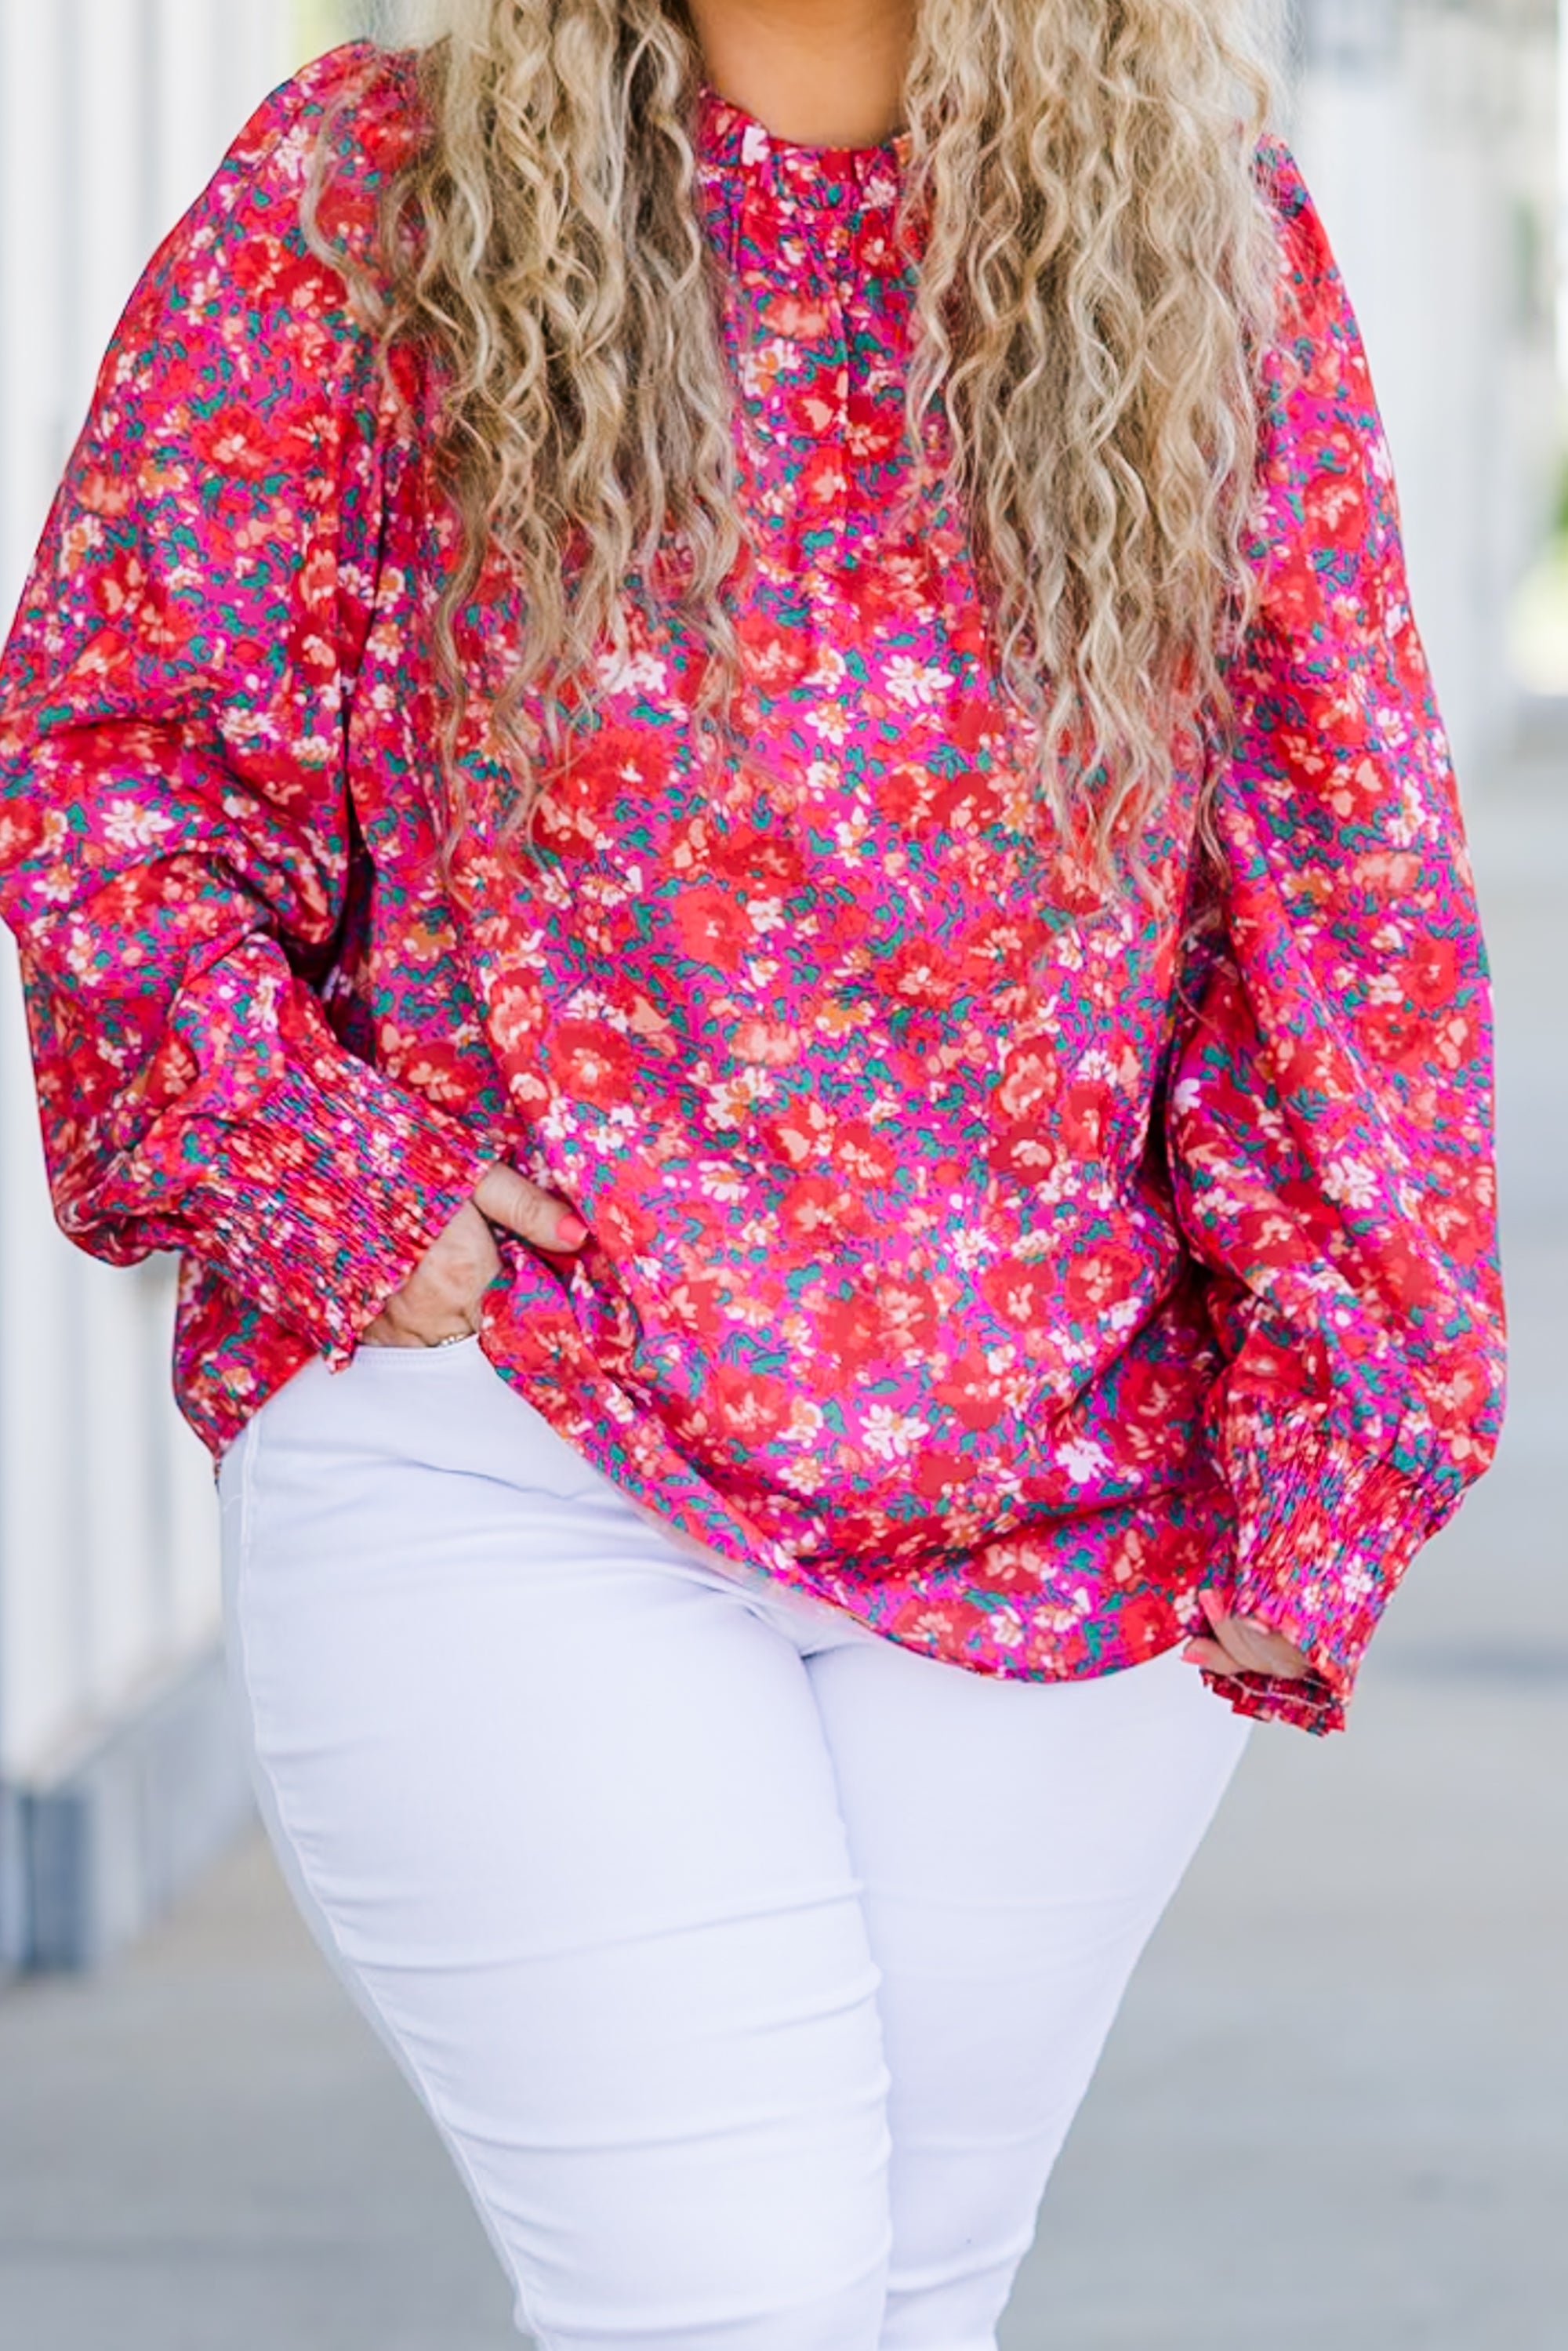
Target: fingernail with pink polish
column 572, row 1232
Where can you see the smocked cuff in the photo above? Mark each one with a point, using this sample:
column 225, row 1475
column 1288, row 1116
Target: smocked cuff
column 322, row 1201
column 1325, row 1533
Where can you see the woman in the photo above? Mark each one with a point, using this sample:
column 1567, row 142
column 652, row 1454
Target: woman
column 719, row 785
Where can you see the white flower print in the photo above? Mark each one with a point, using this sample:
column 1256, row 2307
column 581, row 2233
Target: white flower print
column 917, row 685
column 893, row 1435
column 1352, row 1182
column 632, row 672
column 127, row 824
column 1083, row 1460
column 831, row 720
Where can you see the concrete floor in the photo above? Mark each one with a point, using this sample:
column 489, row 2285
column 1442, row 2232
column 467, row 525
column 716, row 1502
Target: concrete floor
column 1335, row 2108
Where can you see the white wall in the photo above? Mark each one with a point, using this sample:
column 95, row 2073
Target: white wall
column 1427, row 132
column 112, row 114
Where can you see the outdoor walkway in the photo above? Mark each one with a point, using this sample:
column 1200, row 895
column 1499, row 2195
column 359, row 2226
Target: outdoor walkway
column 1335, row 2111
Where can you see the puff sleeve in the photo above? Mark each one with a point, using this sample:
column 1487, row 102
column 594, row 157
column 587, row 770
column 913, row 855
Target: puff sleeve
column 1330, row 1109
column 176, row 841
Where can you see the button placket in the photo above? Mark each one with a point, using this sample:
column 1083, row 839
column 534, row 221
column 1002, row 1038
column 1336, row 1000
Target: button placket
column 829, row 469
column 793, row 222
column 792, row 330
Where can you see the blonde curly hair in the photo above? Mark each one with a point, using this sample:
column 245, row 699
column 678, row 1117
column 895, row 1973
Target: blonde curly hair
column 1095, row 290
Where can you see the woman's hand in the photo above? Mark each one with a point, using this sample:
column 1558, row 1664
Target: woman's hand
column 443, row 1296
column 1242, row 1644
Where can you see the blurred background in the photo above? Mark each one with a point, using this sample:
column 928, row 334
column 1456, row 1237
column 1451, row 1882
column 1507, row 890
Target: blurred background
column 1337, row 2103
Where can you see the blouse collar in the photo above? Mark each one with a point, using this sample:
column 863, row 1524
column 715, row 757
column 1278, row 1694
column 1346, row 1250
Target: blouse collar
column 737, row 150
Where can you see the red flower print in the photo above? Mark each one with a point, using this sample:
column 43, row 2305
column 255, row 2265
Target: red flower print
column 967, row 802
column 1337, row 509
column 1398, row 1032
column 794, row 317
column 700, row 1303
column 872, row 435
column 1407, row 1273
column 909, row 1311
column 944, row 1628
column 592, row 1063
column 775, row 655
column 748, row 1406
column 815, row 1204
column 769, row 864
column 1148, row 1626
column 971, row 1391
column 235, row 441
column 711, row 925
column 803, row 1134
column 21, row 829
column 1008, row 1566
column 822, row 477
column 937, row 1474
column 1029, row 1077
column 629, row 1223
column 120, row 587
column 852, row 1331
column 436, row 1070
column 1100, row 1276
column 1388, row 872
column 919, row 974
column 1431, row 973
column 907, row 793
column 1086, row 1114
column 1455, row 1039
column 1021, row 1291
column 171, row 1074
column 867, row 1156
column 768, row 1044
column 515, row 1016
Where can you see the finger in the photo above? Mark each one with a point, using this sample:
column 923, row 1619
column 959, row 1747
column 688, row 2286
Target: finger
column 1212, row 1658
column 1257, row 1629
column 1213, row 1606
column 1225, row 1653
column 1225, row 1630
column 1284, row 1665
column 1260, row 1648
column 384, row 1333
column 509, row 1198
column 403, row 1322
column 1281, row 1655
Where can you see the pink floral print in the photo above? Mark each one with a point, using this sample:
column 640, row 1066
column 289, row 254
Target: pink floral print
column 1001, row 1268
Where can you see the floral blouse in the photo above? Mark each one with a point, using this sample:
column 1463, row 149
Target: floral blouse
column 994, row 1265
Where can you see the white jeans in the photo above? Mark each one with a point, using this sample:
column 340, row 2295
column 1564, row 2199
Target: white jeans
column 751, row 1968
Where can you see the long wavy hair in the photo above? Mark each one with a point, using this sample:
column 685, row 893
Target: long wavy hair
column 1096, row 280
